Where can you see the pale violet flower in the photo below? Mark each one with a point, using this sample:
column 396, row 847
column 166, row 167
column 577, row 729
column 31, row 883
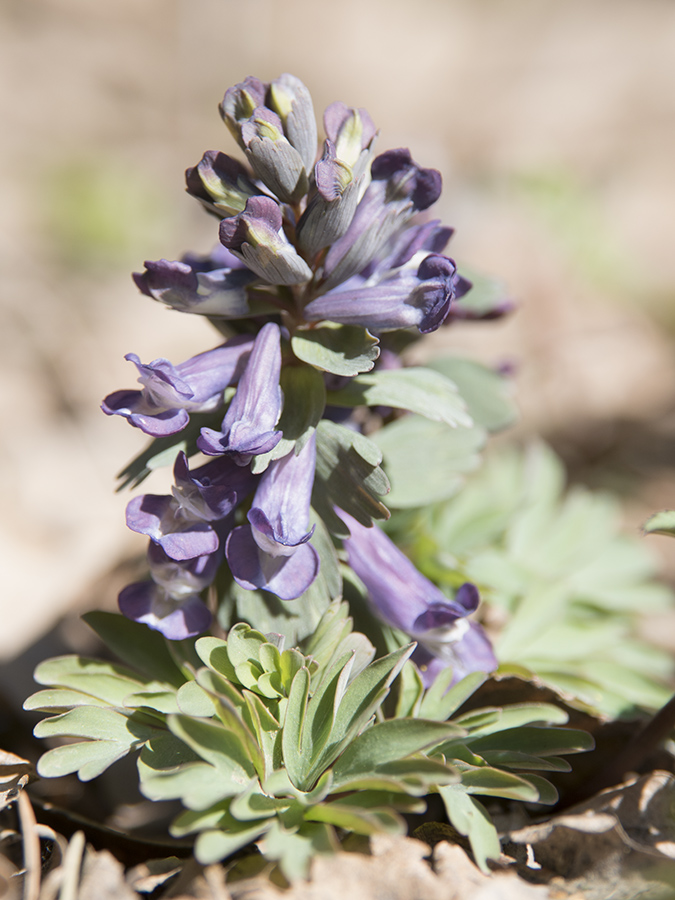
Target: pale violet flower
column 248, row 428
column 272, row 551
column 170, row 393
column 403, row 598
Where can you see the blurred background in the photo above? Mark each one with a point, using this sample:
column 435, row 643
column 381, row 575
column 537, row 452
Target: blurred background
column 553, row 124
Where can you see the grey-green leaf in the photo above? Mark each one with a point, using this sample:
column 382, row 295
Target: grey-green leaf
column 193, row 700
column 212, row 846
column 496, row 783
column 137, row 645
column 441, row 700
column 426, row 461
column 294, row 743
column 661, row 523
column 470, row 818
column 216, row 745
column 538, row 741
column 95, row 723
column 88, row 758
column 348, row 474
column 417, row 389
column 61, row 699
column 388, row 741
column 339, row 349
column 361, row 699
column 488, row 395
column 105, row 681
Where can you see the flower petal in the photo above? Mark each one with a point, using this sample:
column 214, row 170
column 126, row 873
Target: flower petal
column 176, row 619
column 286, row 576
column 180, row 538
column 248, row 426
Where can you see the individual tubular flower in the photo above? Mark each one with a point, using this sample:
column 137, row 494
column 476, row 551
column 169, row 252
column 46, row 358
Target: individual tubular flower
column 220, row 183
column 212, row 491
column 256, row 237
column 248, row 427
column 170, row 602
column 273, row 158
column 292, row 102
column 239, row 102
column 187, row 286
column 340, row 177
column 407, row 247
column 403, row 598
column 403, row 300
column 353, row 134
column 331, row 205
column 399, row 189
column 185, row 525
column 170, row 393
column 272, row 551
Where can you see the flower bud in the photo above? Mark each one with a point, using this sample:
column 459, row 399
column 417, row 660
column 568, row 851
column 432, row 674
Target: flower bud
column 292, row 102
column 220, row 183
column 255, row 236
column 273, row 158
column 331, row 205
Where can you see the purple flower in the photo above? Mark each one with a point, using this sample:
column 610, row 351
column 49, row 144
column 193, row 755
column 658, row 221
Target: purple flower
column 176, row 619
column 273, row 158
column 220, row 183
column 239, row 102
column 274, row 125
column 170, row 602
column 161, row 518
column 292, row 102
column 399, row 189
column 256, row 237
column 190, row 285
column 211, row 491
column 331, row 205
column 272, row 551
column 182, row 579
column 408, row 245
column 352, row 132
column 185, row 525
column 248, row 427
column 405, row 599
column 402, row 300
column 171, row 392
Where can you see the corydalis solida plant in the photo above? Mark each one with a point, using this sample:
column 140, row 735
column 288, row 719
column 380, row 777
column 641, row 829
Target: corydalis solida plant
column 324, row 271
column 319, row 261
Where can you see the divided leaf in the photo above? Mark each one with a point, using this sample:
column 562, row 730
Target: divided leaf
column 348, row 475
column 417, row 389
column 339, row 349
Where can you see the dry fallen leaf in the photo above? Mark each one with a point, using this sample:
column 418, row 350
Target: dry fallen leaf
column 103, row 878
column 620, row 843
column 397, row 869
column 14, row 774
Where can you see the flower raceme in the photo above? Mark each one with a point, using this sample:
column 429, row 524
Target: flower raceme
column 321, row 250
column 311, row 226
